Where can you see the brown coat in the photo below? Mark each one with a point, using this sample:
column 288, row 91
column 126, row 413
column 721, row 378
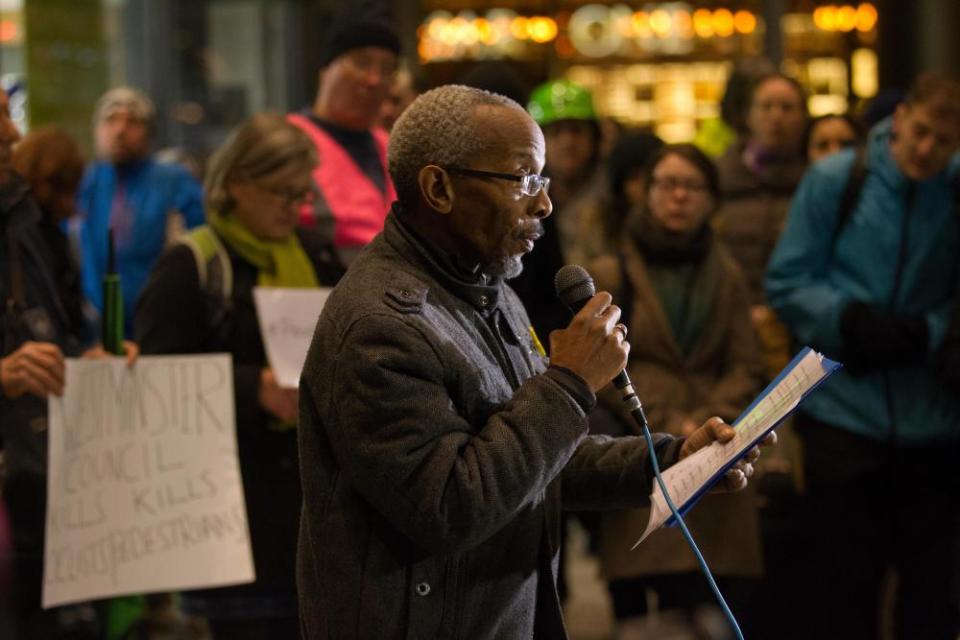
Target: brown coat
column 720, row 376
column 753, row 212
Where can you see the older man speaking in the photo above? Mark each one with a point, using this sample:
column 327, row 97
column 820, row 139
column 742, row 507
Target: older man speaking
column 438, row 444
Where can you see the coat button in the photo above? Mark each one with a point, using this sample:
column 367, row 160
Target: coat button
column 484, row 301
column 423, row 589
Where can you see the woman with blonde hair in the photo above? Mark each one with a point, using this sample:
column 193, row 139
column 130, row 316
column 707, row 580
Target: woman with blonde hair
column 199, row 299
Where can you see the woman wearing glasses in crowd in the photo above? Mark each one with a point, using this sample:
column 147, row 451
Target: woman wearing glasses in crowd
column 256, row 183
column 693, row 355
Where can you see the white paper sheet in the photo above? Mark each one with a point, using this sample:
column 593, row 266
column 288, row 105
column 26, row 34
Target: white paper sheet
column 144, row 490
column 687, row 480
column 287, row 319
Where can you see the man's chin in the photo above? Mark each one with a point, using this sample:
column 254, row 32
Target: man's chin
column 507, row 269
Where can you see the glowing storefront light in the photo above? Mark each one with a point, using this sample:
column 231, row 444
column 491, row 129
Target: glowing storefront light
column 593, row 30
column 541, row 29
column 703, row 23
column 846, row 18
column 864, row 73
column 744, row 22
column 723, row 23
column 866, row 17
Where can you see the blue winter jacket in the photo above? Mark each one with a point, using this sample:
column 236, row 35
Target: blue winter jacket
column 154, row 190
column 812, row 277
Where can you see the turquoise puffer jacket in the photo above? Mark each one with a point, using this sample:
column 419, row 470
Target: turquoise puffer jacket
column 812, row 277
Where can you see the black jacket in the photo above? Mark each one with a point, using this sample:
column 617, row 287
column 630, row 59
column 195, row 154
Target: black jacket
column 174, row 315
column 436, row 451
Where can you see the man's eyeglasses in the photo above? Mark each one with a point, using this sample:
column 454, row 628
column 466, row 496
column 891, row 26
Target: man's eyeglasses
column 530, row 183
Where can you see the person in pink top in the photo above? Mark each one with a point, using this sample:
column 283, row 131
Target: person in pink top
column 357, row 66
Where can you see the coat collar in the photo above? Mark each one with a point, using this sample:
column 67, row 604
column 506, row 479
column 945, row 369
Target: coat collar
column 481, row 291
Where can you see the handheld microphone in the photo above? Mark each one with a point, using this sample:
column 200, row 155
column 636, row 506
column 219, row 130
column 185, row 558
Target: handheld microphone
column 575, row 288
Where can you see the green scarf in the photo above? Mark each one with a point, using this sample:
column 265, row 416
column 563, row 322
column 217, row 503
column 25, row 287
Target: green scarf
column 281, row 263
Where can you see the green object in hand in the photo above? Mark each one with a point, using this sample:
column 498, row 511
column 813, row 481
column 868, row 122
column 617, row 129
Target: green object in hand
column 112, row 337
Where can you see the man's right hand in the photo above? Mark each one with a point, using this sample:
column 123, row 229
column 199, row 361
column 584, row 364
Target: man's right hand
column 36, row 367
column 594, row 345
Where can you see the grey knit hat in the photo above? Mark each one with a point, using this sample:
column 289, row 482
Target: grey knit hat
column 128, row 98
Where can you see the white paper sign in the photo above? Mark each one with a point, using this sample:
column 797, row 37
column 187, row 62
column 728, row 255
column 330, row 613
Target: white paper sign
column 144, row 489
column 287, row 319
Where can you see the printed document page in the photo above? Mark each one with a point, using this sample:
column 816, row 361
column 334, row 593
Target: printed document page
column 687, row 480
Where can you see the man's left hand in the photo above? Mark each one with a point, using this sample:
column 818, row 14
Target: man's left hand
column 716, row 430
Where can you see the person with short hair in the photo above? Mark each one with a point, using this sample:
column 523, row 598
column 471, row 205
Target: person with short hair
column 873, row 287
column 256, row 182
column 143, row 201
column 358, row 62
column 438, row 444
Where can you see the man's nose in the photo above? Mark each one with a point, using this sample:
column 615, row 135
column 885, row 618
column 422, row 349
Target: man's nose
column 542, row 205
column 925, row 146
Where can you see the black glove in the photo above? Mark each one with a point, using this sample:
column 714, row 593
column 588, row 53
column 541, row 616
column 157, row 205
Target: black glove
column 875, row 340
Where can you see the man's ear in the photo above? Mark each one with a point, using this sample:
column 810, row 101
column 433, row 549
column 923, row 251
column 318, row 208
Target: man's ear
column 436, row 188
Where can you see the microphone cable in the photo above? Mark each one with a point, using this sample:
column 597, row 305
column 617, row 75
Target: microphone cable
column 641, row 420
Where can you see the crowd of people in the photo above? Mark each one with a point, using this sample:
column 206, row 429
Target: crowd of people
column 451, row 412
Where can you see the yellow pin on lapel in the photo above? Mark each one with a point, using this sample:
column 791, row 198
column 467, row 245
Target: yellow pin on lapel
column 536, row 342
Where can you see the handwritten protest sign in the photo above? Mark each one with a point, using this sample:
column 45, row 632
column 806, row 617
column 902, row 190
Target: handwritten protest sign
column 144, row 489
column 287, row 319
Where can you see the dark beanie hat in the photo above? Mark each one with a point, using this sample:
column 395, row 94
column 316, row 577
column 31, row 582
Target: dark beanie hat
column 365, row 26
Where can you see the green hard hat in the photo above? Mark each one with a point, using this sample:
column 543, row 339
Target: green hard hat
column 560, row 100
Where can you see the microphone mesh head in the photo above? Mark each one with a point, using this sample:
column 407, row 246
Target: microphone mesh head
column 574, row 285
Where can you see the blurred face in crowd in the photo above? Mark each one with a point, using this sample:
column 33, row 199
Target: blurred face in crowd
column 8, row 135
column 570, row 148
column 399, row 97
column 830, row 135
column 494, row 221
column 269, row 206
column 354, row 85
column 122, row 136
column 635, row 187
column 679, row 198
column 922, row 143
column 776, row 118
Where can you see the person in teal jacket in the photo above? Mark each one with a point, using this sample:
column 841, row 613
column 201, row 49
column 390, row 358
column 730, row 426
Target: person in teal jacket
column 873, row 287
column 142, row 200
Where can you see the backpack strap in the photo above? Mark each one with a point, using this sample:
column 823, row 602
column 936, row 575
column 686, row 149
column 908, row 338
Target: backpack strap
column 213, row 264
column 851, row 193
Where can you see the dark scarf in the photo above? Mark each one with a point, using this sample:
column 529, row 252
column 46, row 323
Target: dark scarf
column 662, row 247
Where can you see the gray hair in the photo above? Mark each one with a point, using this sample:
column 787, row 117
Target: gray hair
column 262, row 145
column 133, row 100
column 437, row 128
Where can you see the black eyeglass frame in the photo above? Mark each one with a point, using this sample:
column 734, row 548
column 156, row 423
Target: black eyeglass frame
column 527, row 180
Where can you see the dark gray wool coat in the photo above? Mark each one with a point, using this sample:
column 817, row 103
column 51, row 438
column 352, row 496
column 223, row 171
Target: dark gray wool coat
column 436, row 451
